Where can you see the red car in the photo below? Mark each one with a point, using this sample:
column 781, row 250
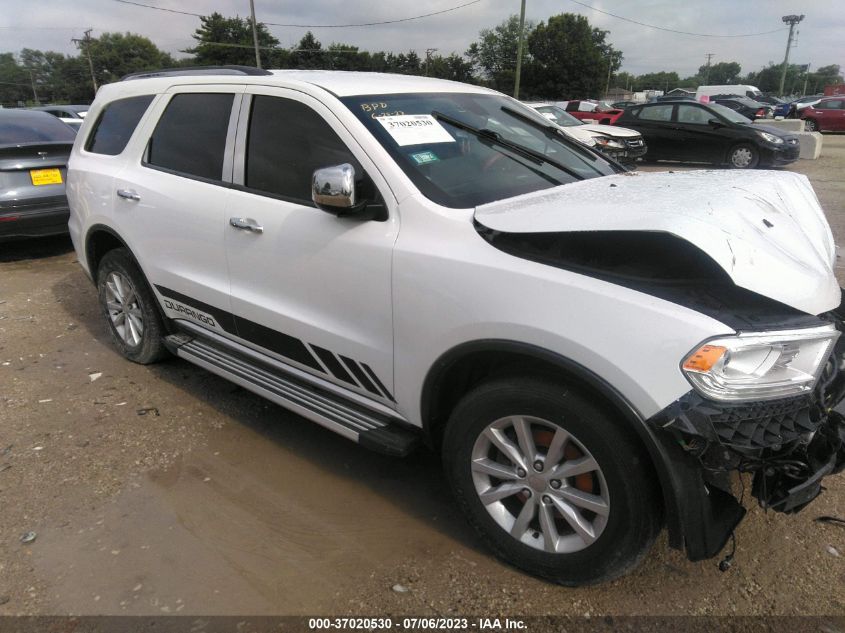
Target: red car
column 827, row 114
column 584, row 111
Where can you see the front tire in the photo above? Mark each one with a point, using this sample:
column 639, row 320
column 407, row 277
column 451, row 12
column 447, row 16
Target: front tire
column 553, row 484
column 744, row 156
column 129, row 308
column 810, row 125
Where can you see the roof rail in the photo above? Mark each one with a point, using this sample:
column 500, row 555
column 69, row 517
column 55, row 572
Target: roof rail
column 196, row 70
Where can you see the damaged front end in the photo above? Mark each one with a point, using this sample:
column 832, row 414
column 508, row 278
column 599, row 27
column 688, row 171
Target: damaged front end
column 754, row 252
column 787, row 445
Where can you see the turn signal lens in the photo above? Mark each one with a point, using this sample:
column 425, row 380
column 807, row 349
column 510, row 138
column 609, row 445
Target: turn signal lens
column 704, row 358
column 760, row 365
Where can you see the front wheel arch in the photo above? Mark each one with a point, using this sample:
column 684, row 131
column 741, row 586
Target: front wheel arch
column 460, row 369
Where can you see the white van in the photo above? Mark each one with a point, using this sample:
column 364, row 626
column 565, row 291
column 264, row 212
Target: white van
column 741, row 90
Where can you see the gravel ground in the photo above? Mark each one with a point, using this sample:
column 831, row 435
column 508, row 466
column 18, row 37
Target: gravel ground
column 165, row 490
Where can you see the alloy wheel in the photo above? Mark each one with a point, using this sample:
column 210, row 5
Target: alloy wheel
column 123, row 309
column 540, row 484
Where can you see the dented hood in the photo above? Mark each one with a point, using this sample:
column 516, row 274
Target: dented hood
column 764, row 228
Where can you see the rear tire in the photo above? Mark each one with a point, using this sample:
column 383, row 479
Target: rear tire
column 558, row 537
column 743, row 156
column 129, row 307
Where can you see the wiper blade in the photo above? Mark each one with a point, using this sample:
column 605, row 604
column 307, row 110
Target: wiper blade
column 553, row 130
column 496, row 138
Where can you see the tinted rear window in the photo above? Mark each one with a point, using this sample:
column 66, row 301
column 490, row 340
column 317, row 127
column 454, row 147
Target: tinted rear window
column 33, row 128
column 190, row 137
column 116, row 124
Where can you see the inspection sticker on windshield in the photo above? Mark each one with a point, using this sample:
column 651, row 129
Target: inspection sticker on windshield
column 415, row 129
column 421, row 158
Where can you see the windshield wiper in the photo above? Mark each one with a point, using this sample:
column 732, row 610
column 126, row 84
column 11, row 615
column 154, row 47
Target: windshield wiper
column 554, row 130
column 494, row 137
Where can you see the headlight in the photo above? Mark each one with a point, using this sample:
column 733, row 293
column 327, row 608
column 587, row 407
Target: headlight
column 760, row 366
column 604, row 141
column 771, row 138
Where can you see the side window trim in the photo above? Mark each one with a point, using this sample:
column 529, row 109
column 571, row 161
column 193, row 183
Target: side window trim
column 228, row 151
column 239, row 167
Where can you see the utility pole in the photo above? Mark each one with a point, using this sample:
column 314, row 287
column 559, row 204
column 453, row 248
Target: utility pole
column 709, row 56
column 428, row 53
column 87, row 41
column 34, row 94
column 255, row 33
column 806, row 76
column 791, row 20
column 609, row 68
column 519, row 51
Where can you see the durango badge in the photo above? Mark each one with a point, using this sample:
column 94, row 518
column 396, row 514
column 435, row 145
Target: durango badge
column 180, row 309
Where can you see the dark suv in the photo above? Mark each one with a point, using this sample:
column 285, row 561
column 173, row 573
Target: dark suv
column 708, row 133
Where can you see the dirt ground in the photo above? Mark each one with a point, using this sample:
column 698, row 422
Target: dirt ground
column 166, row 490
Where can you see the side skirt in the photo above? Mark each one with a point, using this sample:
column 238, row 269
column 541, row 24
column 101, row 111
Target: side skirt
column 377, row 430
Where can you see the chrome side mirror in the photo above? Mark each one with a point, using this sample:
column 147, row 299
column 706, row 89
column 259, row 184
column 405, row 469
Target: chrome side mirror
column 333, row 188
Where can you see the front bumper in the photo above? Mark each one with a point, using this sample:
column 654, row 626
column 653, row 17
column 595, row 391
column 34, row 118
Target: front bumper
column 634, row 148
column 40, row 218
column 788, row 446
column 781, row 155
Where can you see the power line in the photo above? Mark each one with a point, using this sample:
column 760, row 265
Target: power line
column 661, row 28
column 341, row 26
column 313, row 26
column 149, row 6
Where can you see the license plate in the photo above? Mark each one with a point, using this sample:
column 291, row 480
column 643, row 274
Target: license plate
column 45, row 176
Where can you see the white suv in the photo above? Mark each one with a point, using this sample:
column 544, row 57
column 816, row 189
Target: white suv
column 407, row 260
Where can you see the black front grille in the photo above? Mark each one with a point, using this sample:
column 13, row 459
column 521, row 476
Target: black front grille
column 747, row 426
column 765, row 424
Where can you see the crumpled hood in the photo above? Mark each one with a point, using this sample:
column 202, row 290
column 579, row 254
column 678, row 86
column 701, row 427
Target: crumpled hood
column 609, row 130
column 766, row 229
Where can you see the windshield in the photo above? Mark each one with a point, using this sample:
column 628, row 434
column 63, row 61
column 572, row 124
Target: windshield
column 463, row 150
column 726, row 113
column 558, row 116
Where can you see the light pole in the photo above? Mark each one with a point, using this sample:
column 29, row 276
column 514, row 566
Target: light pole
column 519, row 51
column 255, row 34
column 791, row 20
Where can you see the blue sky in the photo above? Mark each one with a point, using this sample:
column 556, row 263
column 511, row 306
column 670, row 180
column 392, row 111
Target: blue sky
column 50, row 25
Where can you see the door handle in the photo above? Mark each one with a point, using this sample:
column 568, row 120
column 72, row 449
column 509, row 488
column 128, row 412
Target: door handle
column 246, row 224
column 128, row 194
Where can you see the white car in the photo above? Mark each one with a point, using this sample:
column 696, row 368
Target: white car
column 409, row 261
column 620, row 143
column 73, row 115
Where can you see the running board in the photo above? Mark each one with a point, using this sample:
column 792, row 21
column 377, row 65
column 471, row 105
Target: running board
column 371, row 429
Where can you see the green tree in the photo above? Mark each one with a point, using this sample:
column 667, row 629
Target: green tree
column 222, row 41
column 623, row 80
column 768, row 79
column 308, row 53
column 14, row 81
column 569, row 58
column 657, row 81
column 721, row 73
column 453, row 67
column 824, row 76
column 116, row 54
column 493, row 55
